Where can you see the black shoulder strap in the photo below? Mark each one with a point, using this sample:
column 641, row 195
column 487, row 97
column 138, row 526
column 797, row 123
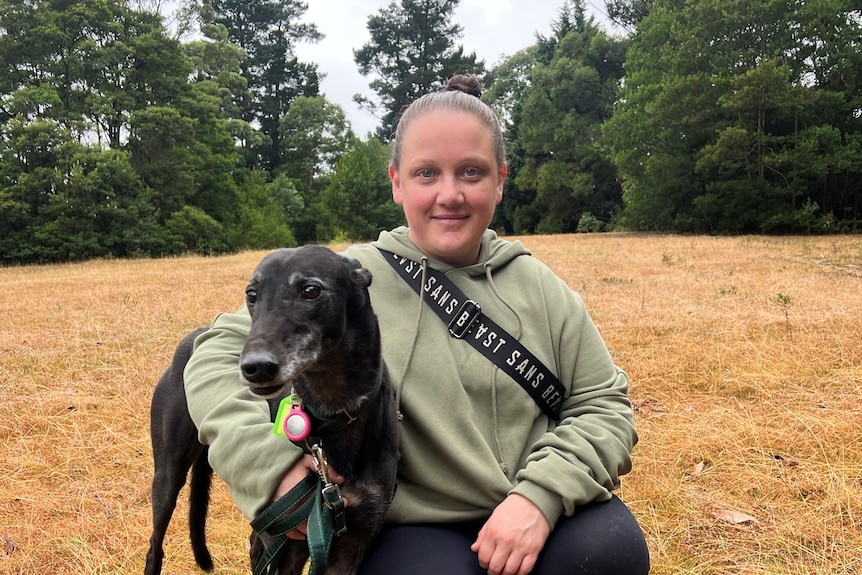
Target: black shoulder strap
column 466, row 321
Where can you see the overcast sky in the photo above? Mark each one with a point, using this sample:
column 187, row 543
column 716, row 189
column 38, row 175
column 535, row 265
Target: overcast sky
column 492, row 28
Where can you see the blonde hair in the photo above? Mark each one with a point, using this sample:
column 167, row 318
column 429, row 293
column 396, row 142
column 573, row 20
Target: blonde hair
column 461, row 94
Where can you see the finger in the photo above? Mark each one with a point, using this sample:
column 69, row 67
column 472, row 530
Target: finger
column 497, row 562
column 527, row 564
column 335, row 476
column 300, row 533
column 477, row 544
column 485, row 550
column 514, row 564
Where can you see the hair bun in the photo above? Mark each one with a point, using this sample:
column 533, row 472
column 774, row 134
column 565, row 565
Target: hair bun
column 467, row 83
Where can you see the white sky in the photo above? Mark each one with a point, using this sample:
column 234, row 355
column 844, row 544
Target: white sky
column 491, row 28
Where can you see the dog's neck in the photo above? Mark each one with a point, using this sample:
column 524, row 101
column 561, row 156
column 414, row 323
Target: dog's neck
column 326, row 425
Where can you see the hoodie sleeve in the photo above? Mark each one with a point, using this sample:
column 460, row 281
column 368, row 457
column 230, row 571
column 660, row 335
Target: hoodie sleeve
column 234, row 423
column 583, row 457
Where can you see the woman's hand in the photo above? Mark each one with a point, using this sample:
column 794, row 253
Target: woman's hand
column 510, row 541
column 293, row 476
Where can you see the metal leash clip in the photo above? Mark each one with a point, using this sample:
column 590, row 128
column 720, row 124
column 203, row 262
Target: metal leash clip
column 331, row 492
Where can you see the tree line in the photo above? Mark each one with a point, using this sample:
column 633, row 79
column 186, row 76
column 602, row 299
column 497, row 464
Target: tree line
column 121, row 137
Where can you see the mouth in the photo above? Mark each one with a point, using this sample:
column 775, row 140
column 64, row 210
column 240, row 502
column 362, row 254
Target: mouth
column 267, row 391
column 450, row 219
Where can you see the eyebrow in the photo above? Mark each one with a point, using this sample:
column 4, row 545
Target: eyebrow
column 423, row 161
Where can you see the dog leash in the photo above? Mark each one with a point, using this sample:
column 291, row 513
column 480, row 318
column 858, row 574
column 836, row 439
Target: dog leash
column 324, row 513
column 466, row 321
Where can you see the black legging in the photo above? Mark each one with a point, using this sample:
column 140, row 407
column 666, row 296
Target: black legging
column 599, row 539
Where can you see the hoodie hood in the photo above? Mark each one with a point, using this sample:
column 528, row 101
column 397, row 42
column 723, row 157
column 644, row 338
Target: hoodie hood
column 493, row 251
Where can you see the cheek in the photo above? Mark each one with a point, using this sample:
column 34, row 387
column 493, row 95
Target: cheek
column 416, row 199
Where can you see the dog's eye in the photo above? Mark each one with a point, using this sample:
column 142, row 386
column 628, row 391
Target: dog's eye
column 310, row 291
column 250, row 296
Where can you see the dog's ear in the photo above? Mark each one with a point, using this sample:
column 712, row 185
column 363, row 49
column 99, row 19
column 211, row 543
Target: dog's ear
column 359, row 275
column 361, row 279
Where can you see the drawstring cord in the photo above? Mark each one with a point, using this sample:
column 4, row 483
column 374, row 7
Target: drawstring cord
column 490, row 279
column 424, row 264
column 505, row 468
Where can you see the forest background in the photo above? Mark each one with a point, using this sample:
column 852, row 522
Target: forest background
column 120, row 137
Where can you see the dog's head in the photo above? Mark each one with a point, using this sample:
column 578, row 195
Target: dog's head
column 303, row 304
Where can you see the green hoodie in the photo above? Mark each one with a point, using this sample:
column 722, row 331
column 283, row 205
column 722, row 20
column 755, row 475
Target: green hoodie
column 470, row 435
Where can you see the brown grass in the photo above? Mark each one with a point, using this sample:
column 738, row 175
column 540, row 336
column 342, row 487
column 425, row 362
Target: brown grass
column 744, row 355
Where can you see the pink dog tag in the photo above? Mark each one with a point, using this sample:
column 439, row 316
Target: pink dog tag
column 292, row 421
column 297, row 425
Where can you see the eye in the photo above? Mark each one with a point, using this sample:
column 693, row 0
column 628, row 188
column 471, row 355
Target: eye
column 250, row 296
column 425, row 174
column 310, row 291
column 472, row 172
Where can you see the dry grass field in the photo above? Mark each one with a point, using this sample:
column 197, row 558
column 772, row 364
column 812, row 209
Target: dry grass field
column 745, row 356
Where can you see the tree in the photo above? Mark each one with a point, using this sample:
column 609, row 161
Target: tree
column 566, row 163
column 28, row 158
column 628, row 13
column 314, row 134
column 96, row 96
column 100, row 209
column 411, row 52
column 262, row 222
column 358, row 201
column 215, row 59
column 510, row 80
column 740, row 118
column 268, row 31
column 95, row 61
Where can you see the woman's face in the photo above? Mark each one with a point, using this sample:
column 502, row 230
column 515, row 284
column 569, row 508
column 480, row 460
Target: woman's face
column 448, row 184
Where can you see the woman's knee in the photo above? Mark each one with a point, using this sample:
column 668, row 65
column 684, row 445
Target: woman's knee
column 601, row 538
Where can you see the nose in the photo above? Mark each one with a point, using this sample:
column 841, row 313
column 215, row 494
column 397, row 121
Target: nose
column 450, row 192
column 259, row 367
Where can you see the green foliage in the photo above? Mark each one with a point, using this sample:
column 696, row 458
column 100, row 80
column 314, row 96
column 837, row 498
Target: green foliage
column 735, row 116
column 804, row 220
column 104, row 139
column 314, row 134
column 589, row 223
column 101, row 208
column 412, row 51
column 358, row 201
column 565, row 167
column 197, row 231
column 90, row 204
column 628, row 13
column 262, row 218
column 116, row 140
column 268, row 31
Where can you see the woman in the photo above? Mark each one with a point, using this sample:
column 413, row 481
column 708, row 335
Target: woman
column 487, row 483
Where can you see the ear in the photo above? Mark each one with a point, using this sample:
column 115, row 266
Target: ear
column 361, row 276
column 360, row 280
column 396, row 185
column 504, row 170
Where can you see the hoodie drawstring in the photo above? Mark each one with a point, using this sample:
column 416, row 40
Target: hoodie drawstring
column 409, row 359
column 488, row 267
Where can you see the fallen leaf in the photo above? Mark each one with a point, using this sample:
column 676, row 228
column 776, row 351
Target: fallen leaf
column 11, row 546
column 788, row 461
column 735, row 517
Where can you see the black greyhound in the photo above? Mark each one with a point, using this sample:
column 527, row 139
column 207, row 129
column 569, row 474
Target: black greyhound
column 313, row 330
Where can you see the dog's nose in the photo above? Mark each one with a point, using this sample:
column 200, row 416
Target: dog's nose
column 259, row 367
